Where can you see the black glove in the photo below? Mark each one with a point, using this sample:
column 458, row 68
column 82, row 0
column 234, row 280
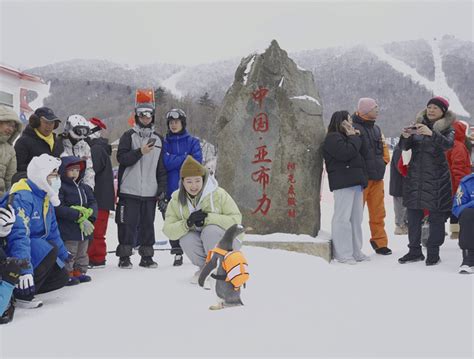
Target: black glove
column 10, row 270
column 196, row 218
column 162, row 202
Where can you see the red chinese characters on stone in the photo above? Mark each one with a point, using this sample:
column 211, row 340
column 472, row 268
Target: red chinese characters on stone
column 261, row 176
column 259, row 95
column 264, row 204
column 292, row 213
column 261, row 154
column 291, row 200
column 260, row 122
column 291, row 166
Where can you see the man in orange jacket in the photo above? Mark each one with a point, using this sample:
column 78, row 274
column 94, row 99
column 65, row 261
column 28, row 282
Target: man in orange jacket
column 376, row 159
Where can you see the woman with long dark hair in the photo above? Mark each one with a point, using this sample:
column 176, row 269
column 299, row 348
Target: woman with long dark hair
column 342, row 151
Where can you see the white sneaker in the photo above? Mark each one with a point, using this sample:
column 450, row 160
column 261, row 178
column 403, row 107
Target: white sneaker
column 195, row 278
column 28, row 304
column 465, row 269
column 362, row 258
column 350, row 261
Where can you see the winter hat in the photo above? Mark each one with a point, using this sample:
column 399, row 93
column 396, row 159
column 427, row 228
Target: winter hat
column 47, row 114
column 191, row 168
column 439, row 101
column 7, row 114
column 39, row 169
column 96, row 125
column 365, row 105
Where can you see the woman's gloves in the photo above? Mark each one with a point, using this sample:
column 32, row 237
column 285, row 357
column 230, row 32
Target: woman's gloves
column 196, row 218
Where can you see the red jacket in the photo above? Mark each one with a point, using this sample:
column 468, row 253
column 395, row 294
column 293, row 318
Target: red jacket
column 458, row 157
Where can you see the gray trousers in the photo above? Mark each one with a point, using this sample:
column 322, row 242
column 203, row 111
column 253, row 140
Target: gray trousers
column 400, row 212
column 196, row 245
column 80, row 259
column 346, row 225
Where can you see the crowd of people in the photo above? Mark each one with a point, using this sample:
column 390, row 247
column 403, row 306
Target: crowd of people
column 57, row 192
column 430, row 182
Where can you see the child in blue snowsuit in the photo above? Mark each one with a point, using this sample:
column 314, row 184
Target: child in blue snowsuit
column 463, row 209
column 35, row 236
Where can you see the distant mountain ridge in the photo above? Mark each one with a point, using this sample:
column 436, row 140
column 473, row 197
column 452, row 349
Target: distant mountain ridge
column 342, row 75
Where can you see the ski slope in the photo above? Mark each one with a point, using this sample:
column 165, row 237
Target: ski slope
column 295, row 305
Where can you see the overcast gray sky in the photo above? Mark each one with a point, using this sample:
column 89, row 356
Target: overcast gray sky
column 35, row 33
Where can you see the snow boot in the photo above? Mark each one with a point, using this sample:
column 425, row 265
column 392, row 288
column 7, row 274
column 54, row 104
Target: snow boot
column 385, row 251
column 411, row 257
column 124, row 263
column 7, row 315
column 82, row 277
column 148, row 262
column 432, row 257
column 73, row 280
column 30, row 303
column 178, row 260
column 467, row 265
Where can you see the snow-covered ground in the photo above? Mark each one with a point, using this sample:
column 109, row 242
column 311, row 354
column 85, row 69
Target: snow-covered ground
column 295, row 305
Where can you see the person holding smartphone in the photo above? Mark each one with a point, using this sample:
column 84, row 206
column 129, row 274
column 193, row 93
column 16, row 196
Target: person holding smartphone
column 428, row 182
column 141, row 181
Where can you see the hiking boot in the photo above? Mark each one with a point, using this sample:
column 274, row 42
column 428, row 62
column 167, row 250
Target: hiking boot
column 401, row 230
column 28, row 303
column 94, row 265
column 411, row 257
column 148, row 262
column 7, row 315
column 465, row 269
column 124, row 263
column 385, row 251
column 178, row 260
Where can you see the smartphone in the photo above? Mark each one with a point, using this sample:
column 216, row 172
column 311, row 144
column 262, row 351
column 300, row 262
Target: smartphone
column 410, row 129
column 151, row 141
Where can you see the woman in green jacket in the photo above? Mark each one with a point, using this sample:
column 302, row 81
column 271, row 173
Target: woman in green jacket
column 199, row 213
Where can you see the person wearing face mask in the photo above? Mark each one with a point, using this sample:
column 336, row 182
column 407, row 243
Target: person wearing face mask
column 199, row 213
column 141, row 182
column 75, row 142
column 10, row 128
column 37, row 138
column 35, row 236
column 428, row 182
column 177, row 146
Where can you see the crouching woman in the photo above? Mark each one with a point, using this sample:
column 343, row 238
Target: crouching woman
column 199, row 213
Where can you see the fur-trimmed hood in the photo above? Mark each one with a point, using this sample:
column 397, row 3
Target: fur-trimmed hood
column 439, row 125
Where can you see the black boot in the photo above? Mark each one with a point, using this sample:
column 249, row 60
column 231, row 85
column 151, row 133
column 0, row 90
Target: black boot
column 380, row 250
column 148, row 262
column 432, row 257
column 7, row 315
column 178, row 260
column 124, row 262
column 411, row 257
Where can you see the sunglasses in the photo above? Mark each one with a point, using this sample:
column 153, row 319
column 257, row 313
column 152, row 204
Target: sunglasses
column 81, row 130
column 147, row 114
column 175, row 114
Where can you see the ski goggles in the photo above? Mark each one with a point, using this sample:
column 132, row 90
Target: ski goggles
column 145, row 113
column 81, row 130
column 175, row 114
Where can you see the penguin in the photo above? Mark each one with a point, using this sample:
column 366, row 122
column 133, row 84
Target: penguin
column 227, row 295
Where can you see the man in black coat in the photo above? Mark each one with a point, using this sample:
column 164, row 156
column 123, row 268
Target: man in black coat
column 375, row 161
column 104, row 191
column 396, row 191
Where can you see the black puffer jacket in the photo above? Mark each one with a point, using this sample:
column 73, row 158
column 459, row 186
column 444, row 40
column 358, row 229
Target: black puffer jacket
column 428, row 184
column 104, row 176
column 30, row 145
column 344, row 162
column 372, row 137
column 396, row 178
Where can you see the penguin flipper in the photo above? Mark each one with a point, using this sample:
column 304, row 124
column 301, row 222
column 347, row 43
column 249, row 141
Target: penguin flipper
column 207, row 269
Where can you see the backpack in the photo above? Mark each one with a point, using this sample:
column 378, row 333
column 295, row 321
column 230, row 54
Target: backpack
column 235, row 266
